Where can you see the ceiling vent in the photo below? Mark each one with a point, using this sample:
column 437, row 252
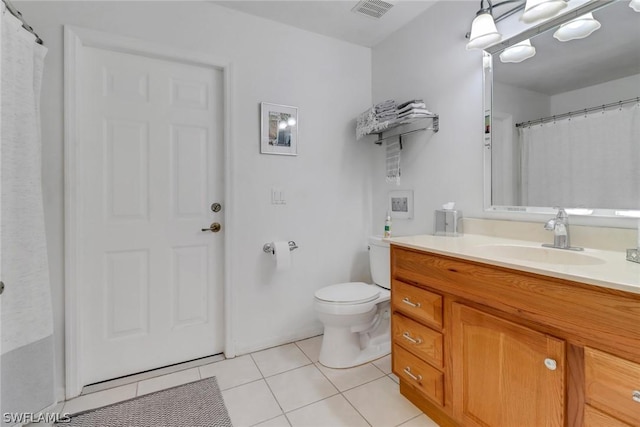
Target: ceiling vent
column 372, row 8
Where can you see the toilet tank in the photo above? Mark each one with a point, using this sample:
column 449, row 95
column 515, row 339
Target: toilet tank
column 379, row 261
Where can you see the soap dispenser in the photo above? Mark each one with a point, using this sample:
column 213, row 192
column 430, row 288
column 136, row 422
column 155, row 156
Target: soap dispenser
column 387, row 226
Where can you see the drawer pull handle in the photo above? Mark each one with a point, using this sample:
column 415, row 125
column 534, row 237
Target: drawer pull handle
column 636, row 396
column 408, row 302
column 550, row 364
column 409, row 338
column 416, row 378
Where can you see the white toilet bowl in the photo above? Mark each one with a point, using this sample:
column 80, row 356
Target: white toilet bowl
column 356, row 315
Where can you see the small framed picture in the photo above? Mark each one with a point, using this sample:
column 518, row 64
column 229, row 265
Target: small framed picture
column 278, row 129
column 401, row 204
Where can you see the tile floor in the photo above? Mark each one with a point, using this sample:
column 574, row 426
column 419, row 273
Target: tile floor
column 286, row 386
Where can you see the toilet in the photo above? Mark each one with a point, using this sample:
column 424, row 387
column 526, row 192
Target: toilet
column 356, row 315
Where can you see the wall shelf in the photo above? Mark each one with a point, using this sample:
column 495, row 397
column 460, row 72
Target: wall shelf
column 435, row 127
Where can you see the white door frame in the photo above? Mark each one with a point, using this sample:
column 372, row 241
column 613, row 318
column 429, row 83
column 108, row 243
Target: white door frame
column 75, row 38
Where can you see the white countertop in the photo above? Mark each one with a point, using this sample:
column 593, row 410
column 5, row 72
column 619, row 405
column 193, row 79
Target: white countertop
column 614, row 271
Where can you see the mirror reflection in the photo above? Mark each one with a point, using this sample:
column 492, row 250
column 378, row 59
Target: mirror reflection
column 280, row 128
column 565, row 122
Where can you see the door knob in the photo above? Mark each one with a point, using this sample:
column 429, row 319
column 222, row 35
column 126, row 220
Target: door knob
column 214, row 228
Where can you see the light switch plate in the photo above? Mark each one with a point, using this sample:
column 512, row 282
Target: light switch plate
column 277, row 196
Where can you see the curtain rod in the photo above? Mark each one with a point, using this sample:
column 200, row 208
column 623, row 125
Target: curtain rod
column 578, row 112
column 15, row 12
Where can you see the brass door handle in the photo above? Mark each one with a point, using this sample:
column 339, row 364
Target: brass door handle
column 214, row 228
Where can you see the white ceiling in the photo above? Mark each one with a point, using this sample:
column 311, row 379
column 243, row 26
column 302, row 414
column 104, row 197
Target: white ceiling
column 610, row 53
column 334, row 18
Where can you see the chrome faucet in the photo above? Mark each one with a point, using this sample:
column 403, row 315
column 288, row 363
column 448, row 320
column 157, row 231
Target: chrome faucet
column 560, row 227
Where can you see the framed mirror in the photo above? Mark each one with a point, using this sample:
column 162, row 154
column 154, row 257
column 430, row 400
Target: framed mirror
column 562, row 128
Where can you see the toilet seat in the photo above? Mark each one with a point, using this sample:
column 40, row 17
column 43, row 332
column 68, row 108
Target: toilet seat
column 348, row 293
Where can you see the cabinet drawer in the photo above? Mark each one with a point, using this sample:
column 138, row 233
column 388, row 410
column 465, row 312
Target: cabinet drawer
column 416, row 302
column 612, row 384
column 419, row 374
column 424, row 342
column 595, row 418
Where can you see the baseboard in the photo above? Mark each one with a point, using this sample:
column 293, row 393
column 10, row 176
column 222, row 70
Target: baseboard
column 60, row 394
column 277, row 340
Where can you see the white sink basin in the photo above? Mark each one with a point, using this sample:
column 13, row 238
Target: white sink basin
column 538, row 254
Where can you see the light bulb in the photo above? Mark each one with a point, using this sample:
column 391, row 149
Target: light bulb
column 282, row 125
column 291, row 121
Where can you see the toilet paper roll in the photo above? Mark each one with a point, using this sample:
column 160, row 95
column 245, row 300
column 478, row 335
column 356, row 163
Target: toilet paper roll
column 282, row 255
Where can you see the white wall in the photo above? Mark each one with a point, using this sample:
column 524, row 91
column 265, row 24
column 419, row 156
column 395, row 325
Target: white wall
column 522, row 104
column 327, row 186
column 427, row 59
column 592, row 96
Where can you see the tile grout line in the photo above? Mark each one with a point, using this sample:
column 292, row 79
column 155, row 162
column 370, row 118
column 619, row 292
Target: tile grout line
column 411, row 419
column 345, row 397
column 264, row 378
column 271, row 419
column 311, row 363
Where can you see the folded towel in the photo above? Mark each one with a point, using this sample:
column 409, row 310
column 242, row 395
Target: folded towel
column 367, row 123
column 387, row 115
column 404, row 118
column 421, row 111
column 411, row 106
column 393, row 151
column 387, row 105
column 413, row 101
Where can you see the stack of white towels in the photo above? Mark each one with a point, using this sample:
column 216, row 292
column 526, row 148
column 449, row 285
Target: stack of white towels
column 386, row 111
column 379, row 117
column 413, row 109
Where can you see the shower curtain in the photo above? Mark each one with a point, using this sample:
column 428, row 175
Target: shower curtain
column 26, row 318
column 587, row 161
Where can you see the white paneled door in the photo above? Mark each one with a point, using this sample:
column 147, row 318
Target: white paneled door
column 150, row 167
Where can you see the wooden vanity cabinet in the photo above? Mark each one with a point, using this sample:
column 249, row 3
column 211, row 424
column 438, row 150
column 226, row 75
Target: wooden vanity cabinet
column 481, row 345
column 506, row 374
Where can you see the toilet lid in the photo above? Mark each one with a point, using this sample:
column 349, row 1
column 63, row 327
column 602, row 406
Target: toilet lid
column 348, row 293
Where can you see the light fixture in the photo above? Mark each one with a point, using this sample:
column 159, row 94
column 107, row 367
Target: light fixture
column 483, row 31
column 535, row 10
column 291, row 121
column 483, row 28
column 518, row 52
column 577, row 28
column 635, row 5
column 282, row 125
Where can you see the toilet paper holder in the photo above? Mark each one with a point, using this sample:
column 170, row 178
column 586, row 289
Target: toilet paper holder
column 268, row 247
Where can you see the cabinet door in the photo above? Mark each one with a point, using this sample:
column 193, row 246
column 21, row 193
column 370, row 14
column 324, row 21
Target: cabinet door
column 505, row 374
